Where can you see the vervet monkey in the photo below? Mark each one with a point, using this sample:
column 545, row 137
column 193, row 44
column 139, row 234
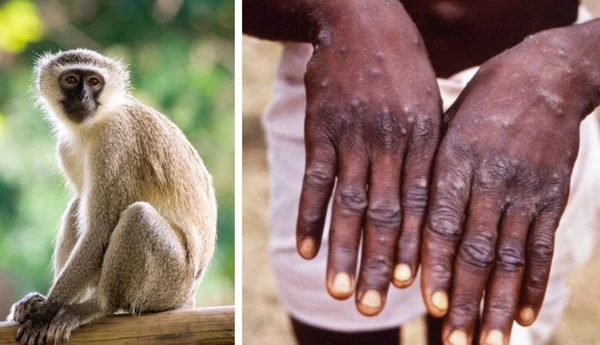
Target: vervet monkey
column 141, row 226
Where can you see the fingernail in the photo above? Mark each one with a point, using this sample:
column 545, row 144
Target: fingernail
column 494, row 337
column 439, row 299
column 402, row 273
column 370, row 304
column 307, row 248
column 342, row 286
column 527, row 316
column 458, row 337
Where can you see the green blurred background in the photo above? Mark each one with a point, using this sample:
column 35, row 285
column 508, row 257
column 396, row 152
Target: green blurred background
column 181, row 58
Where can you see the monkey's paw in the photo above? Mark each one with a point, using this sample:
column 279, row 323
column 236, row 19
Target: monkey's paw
column 62, row 325
column 35, row 330
column 23, row 309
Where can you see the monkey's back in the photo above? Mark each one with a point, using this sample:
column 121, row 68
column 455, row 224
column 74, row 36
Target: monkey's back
column 166, row 171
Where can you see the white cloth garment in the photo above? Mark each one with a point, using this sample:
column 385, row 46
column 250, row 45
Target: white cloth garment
column 301, row 283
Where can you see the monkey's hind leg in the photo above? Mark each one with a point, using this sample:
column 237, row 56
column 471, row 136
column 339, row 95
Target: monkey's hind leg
column 144, row 270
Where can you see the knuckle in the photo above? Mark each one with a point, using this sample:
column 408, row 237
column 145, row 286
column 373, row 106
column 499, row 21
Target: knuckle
column 511, row 257
column 309, row 220
column 464, row 308
column 495, row 173
column 526, row 182
column 445, row 220
column 425, row 129
column 556, row 197
column 478, row 250
column 344, row 250
column 542, row 247
column 441, row 271
column 458, row 152
column 415, row 198
column 388, row 129
column 555, row 204
column 409, row 242
column 318, row 177
column 323, row 119
column 378, row 265
column 385, row 214
column 352, row 200
column 535, row 285
column 503, row 308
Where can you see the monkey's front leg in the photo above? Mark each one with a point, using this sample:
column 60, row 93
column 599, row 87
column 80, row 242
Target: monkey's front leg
column 85, row 262
column 23, row 309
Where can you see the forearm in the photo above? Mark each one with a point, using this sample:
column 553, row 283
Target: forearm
column 100, row 215
column 587, row 36
column 67, row 238
column 84, row 263
column 559, row 67
column 305, row 20
column 293, row 20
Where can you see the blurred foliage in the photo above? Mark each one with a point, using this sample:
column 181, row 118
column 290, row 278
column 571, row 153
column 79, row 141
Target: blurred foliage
column 19, row 25
column 181, row 58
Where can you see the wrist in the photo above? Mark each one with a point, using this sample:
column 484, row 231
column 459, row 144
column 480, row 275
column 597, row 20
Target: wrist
column 586, row 37
column 567, row 62
column 353, row 19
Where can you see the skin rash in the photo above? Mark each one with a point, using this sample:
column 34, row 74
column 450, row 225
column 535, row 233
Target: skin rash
column 482, row 211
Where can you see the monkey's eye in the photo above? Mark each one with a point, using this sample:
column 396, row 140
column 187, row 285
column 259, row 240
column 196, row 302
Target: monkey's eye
column 93, row 81
column 71, row 80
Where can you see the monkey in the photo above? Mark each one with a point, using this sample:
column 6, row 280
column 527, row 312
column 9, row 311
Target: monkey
column 140, row 229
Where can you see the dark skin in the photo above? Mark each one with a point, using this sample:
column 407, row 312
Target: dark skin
column 500, row 179
column 363, row 136
column 463, row 33
column 80, row 89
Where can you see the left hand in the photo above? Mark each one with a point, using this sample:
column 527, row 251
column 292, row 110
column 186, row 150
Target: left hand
column 500, row 185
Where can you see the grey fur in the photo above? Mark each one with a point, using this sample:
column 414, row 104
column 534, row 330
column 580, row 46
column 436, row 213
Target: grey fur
column 141, row 227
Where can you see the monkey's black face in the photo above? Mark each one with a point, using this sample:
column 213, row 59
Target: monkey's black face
column 81, row 89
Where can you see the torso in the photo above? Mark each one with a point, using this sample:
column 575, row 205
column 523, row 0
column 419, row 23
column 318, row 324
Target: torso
column 464, row 33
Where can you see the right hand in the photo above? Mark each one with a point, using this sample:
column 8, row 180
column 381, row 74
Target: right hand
column 23, row 309
column 373, row 122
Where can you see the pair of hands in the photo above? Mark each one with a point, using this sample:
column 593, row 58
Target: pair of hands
column 474, row 195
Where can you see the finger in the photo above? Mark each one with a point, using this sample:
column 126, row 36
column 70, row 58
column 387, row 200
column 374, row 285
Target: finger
column 43, row 334
column 61, row 333
column 33, row 337
column 382, row 226
column 504, row 287
column 319, row 178
column 27, row 336
column 473, row 263
column 540, row 248
column 65, row 333
column 443, row 228
column 349, row 204
column 415, row 192
column 21, row 330
column 53, row 335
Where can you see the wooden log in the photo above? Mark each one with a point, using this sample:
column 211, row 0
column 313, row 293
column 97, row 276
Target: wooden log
column 208, row 326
